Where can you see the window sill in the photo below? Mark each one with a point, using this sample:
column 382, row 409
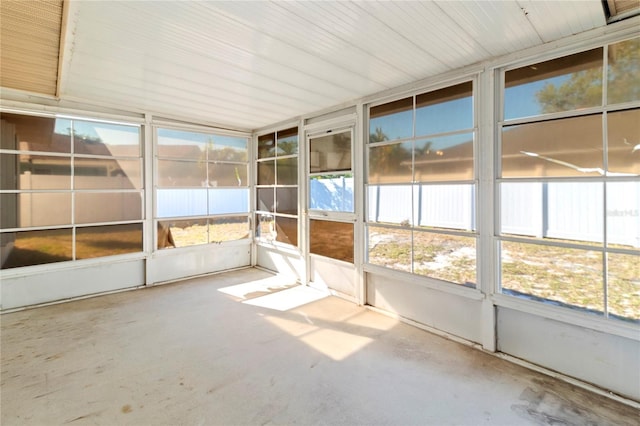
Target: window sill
column 422, row 281
column 568, row 316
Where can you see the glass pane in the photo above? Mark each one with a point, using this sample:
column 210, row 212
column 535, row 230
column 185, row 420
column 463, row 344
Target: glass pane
column 287, row 200
column 623, row 142
column 624, row 71
column 444, row 158
column 37, row 247
column 624, row 285
column 227, row 174
column 563, row 84
column 35, row 209
column 267, row 146
column 567, row 147
column 390, row 247
column 115, row 140
column 182, row 233
column 98, row 241
column 266, row 199
column 570, row 211
column 445, row 257
column 287, row 230
column 183, row 145
column 330, row 153
column 107, row 206
column 181, row 202
column 27, row 171
column 175, row 173
column 225, row 201
column 445, row 206
column 561, row 276
column 331, row 193
column 227, row 148
column 28, row 133
column 266, row 227
column 93, row 173
column 521, row 208
column 445, row 110
column 228, row 229
column 391, row 121
column 267, row 172
column 287, row 171
column 288, row 141
column 390, row 204
column 623, row 215
column 390, row 163
column 332, row 239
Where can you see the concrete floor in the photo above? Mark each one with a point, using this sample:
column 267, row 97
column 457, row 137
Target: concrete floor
column 245, row 347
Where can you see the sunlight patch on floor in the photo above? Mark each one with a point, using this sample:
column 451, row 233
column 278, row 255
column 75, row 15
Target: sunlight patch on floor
column 258, row 287
column 287, row 299
column 335, row 344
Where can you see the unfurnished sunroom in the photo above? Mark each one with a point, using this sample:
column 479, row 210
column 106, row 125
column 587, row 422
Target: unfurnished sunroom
column 471, row 167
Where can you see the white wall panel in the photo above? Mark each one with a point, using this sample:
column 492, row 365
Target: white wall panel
column 64, row 283
column 330, row 274
column 609, row 361
column 444, row 311
column 173, row 264
column 281, row 261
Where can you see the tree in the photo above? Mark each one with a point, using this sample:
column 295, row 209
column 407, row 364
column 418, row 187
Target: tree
column 584, row 88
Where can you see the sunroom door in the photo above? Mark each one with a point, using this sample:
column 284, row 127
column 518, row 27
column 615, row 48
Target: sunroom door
column 331, row 210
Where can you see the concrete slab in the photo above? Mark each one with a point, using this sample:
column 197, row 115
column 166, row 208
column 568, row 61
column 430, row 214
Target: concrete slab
column 201, row 352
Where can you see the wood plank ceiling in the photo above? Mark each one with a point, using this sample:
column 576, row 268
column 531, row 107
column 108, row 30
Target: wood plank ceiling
column 246, row 65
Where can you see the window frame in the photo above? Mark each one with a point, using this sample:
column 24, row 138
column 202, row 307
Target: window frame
column 548, row 307
column 272, row 216
column 206, row 189
column 428, row 281
column 74, row 223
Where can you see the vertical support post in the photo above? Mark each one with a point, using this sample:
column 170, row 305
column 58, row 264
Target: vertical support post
column 148, row 154
column 484, row 101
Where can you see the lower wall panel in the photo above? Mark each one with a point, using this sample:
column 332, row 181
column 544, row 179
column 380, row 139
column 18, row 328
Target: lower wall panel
column 64, row 283
column 451, row 313
column 174, row 264
column 280, row 261
column 328, row 273
column 605, row 360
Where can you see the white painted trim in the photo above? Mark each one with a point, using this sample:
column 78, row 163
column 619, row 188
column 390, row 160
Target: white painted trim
column 336, row 125
column 426, row 282
column 40, row 110
column 199, row 128
column 69, row 265
column 574, row 44
column 568, row 316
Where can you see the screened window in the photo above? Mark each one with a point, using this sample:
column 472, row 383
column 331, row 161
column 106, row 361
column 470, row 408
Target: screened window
column 569, row 184
column 69, row 190
column 277, row 187
column 421, row 185
column 202, row 193
column 330, row 172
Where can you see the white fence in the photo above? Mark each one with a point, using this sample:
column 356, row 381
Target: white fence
column 564, row 210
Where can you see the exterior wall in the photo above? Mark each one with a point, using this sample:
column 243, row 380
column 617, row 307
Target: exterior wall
column 53, row 282
column 452, row 313
column 608, row 361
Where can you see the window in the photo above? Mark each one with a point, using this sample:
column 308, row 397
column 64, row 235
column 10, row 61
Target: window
column 277, row 188
column 69, row 190
column 421, row 185
column 202, row 193
column 569, row 182
column 330, row 172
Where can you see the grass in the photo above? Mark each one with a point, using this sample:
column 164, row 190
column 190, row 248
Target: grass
column 568, row 277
